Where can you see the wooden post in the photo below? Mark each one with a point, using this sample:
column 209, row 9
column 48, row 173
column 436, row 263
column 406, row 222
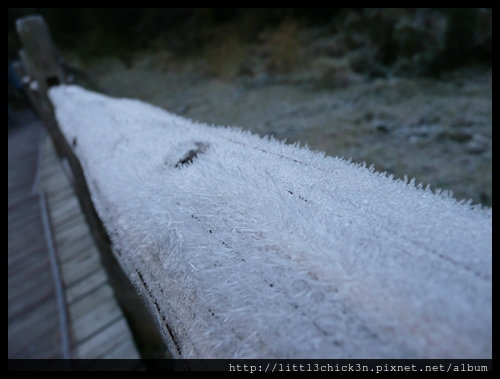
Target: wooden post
column 40, row 60
column 28, row 81
column 42, row 57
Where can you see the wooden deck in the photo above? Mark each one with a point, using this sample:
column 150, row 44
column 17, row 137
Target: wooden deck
column 45, row 216
column 36, row 328
column 37, row 323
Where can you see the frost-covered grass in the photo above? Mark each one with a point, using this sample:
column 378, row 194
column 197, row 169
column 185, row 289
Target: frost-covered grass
column 424, row 128
column 258, row 249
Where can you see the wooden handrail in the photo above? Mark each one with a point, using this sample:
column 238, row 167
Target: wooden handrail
column 243, row 247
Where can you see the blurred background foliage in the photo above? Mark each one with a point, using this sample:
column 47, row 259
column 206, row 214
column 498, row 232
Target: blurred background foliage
column 374, row 42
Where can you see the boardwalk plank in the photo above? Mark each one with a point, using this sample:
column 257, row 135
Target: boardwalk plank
column 96, row 320
column 22, row 213
column 28, row 216
column 61, row 194
column 79, row 245
column 102, row 344
column 81, row 266
column 31, row 325
column 51, row 168
column 21, row 249
column 72, row 229
column 92, row 299
column 43, row 348
column 85, row 243
column 56, row 181
column 126, row 348
column 80, row 289
column 66, row 217
column 64, row 207
column 75, row 221
column 34, row 290
column 72, row 234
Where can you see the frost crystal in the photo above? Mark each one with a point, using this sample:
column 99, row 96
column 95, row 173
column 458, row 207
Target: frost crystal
column 257, row 249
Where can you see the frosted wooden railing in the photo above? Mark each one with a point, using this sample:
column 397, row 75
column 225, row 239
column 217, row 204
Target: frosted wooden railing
column 247, row 247
column 244, row 247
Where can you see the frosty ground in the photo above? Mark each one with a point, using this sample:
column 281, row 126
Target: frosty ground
column 438, row 131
